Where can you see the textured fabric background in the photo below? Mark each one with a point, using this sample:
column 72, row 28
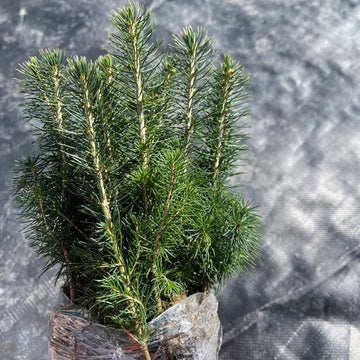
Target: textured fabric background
column 302, row 299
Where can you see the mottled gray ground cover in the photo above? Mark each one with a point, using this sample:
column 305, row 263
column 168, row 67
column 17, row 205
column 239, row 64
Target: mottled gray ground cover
column 302, row 299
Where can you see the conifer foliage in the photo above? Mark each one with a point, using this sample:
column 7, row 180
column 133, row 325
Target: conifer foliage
column 128, row 188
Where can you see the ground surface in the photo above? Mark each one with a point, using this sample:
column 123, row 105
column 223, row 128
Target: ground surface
column 302, row 299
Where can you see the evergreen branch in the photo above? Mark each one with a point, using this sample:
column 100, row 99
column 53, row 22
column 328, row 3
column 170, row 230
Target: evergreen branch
column 59, row 121
column 139, row 110
column 191, row 48
column 139, row 91
column 189, row 105
column 131, row 43
column 88, row 109
column 227, row 73
column 96, row 162
column 105, row 63
column 225, row 136
column 57, row 242
column 158, row 233
column 194, row 51
column 43, row 79
column 105, row 205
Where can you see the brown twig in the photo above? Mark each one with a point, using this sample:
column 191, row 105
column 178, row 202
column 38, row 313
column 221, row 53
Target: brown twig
column 73, row 225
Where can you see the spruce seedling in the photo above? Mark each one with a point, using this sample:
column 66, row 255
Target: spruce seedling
column 128, row 189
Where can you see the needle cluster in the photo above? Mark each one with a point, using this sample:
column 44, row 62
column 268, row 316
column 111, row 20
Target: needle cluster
column 128, row 187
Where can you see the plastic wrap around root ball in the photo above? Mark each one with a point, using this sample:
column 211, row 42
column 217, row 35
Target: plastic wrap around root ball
column 189, row 330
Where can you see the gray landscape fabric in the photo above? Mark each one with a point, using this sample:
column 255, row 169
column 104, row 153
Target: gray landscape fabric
column 301, row 300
